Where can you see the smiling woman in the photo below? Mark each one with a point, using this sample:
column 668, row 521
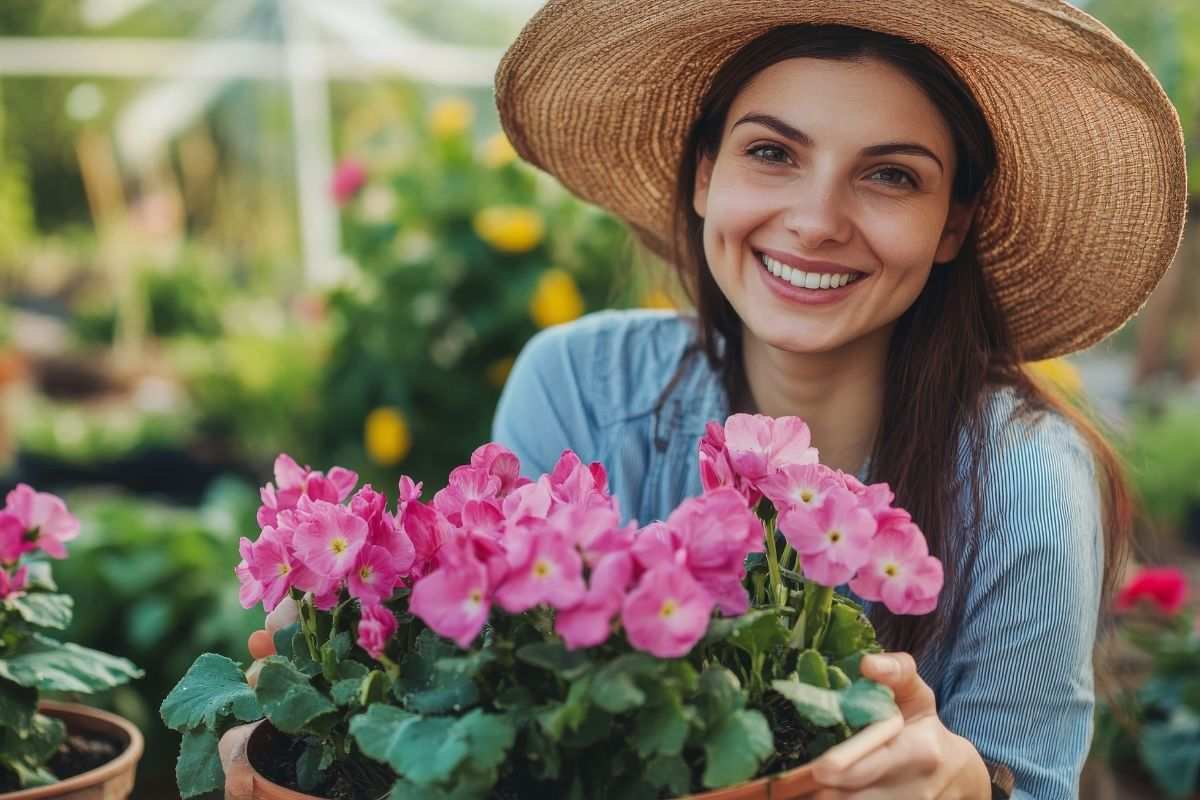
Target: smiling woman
column 880, row 216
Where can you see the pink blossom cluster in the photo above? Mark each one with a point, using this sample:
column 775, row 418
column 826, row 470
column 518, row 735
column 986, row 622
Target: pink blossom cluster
column 31, row 521
column 842, row 530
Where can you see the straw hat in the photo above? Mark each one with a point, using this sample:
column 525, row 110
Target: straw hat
column 1080, row 220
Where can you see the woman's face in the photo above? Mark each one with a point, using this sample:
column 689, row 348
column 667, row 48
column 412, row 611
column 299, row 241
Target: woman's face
column 836, row 175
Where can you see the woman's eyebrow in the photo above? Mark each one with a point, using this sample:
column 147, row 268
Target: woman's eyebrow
column 804, row 140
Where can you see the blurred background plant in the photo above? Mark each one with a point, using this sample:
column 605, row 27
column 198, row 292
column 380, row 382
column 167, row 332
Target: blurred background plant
column 240, row 227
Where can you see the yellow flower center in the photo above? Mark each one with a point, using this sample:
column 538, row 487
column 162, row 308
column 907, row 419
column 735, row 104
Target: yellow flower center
column 338, row 545
column 890, row 570
column 475, row 597
column 541, row 568
column 365, row 573
column 668, row 608
column 835, row 536
column 282, row 569
column 806, row 495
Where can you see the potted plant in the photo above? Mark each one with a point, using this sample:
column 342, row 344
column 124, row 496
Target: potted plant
column 513, row 639
column 1149, row 733
column 48, row 749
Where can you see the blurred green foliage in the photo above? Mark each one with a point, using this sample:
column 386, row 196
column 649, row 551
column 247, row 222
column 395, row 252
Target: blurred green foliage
column 154, row 583
column 1162, row 451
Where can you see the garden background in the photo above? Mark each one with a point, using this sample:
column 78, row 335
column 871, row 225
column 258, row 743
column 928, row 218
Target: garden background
column 233, row 228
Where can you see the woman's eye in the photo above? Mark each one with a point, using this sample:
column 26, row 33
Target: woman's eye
column 768, row 154
column 896, row 177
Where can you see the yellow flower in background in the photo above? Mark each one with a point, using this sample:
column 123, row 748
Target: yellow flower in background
column 657, row 298
column 510, row 229
column 497, row 371
column 451, row 116
column 498, row 152
column 386, row 436
column 556, row 299
column 1060, row 374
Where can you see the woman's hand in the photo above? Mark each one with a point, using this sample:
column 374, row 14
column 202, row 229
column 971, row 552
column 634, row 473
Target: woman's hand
column 924, row 759
column 232, row 747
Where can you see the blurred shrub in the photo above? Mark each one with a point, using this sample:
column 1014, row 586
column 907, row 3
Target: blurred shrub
column 155, row 583
column 461, row 253
column 1163, row 454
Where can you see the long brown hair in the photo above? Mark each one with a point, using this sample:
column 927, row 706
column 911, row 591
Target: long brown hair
column 948, row 351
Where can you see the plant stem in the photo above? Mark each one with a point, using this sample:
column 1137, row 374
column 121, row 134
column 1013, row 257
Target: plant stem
column 818, row 603
column 773, row 565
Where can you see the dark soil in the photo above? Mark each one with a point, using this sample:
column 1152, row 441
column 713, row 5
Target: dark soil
column 76, row 755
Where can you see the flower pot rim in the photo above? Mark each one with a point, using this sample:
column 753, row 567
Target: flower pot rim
column 765, row 788
column 106, row 721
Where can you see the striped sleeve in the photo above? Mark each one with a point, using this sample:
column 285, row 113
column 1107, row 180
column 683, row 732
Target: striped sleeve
column 1018, row 682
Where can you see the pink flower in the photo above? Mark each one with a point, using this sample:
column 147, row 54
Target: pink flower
column 717, row 532
column 588, row 623
column 12, row 585
column 667, row 613
column 293, row 482
column 328, row 538
column 382, row 529
column 12, row 538
column 44, row 520
column 758, row 445
column 465, row 483
column 376, row 625
column 799, row 484
column 1165, row 587
column 427, row 530
column 374, row 576
column 530, row 500
column 497, row 460
column 900, row 571
column 268, row 563
column 348, row 178
column 716, row 470
column 543, row 567
column 833, row 540
column 572, row 481
column 455, row 599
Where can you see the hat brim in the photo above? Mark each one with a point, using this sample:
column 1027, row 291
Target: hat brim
column 1079, row 222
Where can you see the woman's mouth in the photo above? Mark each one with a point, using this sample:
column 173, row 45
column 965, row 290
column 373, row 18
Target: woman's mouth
column 807, row 280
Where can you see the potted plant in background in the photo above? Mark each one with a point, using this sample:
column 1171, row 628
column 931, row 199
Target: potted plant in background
column 1149, row 733
column 50, row 749
column 512, row 639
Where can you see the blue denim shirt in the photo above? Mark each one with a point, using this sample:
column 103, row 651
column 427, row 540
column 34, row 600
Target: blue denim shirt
column 1015, row 679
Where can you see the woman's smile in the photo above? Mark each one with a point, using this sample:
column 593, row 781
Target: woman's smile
column 821, row 283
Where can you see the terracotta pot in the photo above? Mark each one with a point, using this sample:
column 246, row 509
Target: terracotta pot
column 111, row 781
column 788, row 785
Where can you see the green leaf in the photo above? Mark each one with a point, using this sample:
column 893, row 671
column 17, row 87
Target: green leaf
column 867, row 701
column 759, row 631
column 213, row 689
column 345, row 692
column 570, row 713
column 468, row 666
column 736, row 748
column 488, row 737
column 26, row 752
column 614, row 688
column 1171, row 752
column 56, row 666
column 720, row 694
column 810, row 666
column 660, row 730
column 849, row 632
column 422, row 749
column 426, row 689
column 285, row 640
column 198, row 769
column 821, row 707
column 554, row 656
column 42, row 609
column 312, row 764
column 671, row 773
column 40, row 576
column 18, row 704
column 838, row 679
column 288, row 697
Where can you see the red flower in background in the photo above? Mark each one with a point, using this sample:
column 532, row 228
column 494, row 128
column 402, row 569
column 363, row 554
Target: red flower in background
column 348, row 178
column 1165, row 587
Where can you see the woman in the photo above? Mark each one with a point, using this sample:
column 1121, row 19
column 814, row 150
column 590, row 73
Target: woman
column 879, row 215
column 881, row 211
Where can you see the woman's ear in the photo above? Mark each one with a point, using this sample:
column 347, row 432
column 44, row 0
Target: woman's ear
column 958, row 225
column 704, row 168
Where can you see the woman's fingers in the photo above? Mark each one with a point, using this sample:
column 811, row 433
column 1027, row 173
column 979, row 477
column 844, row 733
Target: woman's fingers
column 898, row 671
column 239, row 780
column 261, row 644
column 837, row 759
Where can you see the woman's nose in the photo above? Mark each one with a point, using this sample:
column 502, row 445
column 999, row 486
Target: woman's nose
column 817, row 215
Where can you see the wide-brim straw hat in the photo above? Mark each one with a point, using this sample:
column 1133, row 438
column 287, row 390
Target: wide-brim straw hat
column 1081, row 218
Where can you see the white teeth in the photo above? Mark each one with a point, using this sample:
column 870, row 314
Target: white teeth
column 808, row 280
